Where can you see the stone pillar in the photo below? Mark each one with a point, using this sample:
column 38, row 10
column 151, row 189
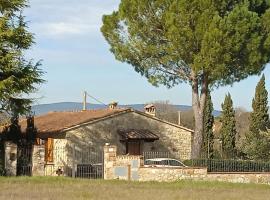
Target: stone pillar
column 38, row 160
column 11, row 158
column 109, row 160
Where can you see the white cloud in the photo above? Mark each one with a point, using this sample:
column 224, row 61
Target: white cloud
column 59, row 19
column 58, row 29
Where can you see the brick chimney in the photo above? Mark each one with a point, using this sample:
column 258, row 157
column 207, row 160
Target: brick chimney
column 113, row 105
column 150, row 109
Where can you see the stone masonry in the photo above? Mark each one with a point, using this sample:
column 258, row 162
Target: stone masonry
column 131, row 168
column 11, row 158
column 172, row 138
column 38, row 160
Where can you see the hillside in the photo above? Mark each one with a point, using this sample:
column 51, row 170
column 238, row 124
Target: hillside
column 70, row 106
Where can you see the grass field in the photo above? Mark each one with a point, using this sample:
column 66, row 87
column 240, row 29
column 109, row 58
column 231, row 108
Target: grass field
column 66, row 188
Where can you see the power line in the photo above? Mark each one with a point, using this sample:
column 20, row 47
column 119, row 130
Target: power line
column 95, row 99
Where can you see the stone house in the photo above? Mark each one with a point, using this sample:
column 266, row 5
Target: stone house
column 132, row 131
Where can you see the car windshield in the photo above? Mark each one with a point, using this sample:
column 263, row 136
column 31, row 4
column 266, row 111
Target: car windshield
column 168, row 162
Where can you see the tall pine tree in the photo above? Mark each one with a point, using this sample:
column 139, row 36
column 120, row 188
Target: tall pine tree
column 18, row 76
column 228, row 128
column 257, row 145
column 208, row 135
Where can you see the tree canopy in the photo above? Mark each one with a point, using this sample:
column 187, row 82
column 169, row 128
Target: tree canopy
column 18, row 76
column 206, row 43
column 166, row 40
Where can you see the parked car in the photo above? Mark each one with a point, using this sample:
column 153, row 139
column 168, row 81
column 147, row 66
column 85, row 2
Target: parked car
column 163, row 162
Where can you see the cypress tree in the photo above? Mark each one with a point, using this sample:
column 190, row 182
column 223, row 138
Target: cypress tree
column 257, row 139
column 259, row 118
column 228, row 128
column 208, row 135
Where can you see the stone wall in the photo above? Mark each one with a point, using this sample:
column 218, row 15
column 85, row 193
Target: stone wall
column 10, row 158
column 38, row 160
column 172, row 138
column 131, row 168
column 171, row 174
column 262, row 178
column 122, row 167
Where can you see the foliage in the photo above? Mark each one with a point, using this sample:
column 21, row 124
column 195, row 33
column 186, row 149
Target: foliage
column 168, row 112
column 260, row 117
column 201, row 42
column 18, row 76
column 208, row 121
column 228, row 128
column 219, row 165
column 257, row 144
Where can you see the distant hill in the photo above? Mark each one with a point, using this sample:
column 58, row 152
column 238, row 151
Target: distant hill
column 72, row 106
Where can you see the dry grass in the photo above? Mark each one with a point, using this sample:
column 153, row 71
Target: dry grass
column 66, row 188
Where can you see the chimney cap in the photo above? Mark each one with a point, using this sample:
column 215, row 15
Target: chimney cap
column 113, row 105
column 149, row 106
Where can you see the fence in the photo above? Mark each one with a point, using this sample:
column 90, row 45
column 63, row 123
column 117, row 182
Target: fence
column 215, row 165
column 76, row 162
column 24, row 162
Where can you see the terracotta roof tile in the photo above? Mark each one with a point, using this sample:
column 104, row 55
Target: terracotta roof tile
column 58, row 121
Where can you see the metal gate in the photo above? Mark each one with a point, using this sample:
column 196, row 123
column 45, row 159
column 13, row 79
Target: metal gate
column 24, row 160
column 89, row 165
column 76, row 162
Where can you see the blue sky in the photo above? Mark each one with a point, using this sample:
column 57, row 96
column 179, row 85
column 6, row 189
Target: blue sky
column 76, row 57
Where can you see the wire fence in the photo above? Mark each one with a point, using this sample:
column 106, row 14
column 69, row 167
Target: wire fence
column 223, row 165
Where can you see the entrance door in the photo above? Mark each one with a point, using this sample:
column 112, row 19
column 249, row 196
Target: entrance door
column 133, row 148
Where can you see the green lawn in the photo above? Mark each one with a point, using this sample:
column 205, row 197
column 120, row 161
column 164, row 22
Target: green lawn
column 67, row 188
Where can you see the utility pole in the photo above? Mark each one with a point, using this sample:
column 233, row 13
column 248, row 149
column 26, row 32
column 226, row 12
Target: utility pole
column 179, row 118
column 84, row 100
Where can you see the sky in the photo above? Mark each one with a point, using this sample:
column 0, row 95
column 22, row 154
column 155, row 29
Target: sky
column 76, row 58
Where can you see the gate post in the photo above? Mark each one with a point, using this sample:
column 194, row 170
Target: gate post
column 11, row 158
column 109, row 160
column 73, row 161
column 38, row 160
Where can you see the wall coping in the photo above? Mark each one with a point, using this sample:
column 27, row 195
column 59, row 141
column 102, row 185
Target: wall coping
column 241, row 173
column 173, row 167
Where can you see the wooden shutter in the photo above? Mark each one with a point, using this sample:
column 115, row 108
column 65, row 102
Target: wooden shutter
column 49, row 150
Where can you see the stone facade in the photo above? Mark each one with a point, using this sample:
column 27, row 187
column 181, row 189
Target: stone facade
column 172, row 138
column 10, row 159
column 38, row 162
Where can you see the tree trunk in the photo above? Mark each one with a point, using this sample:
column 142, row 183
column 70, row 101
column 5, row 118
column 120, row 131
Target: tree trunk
column 198, row 104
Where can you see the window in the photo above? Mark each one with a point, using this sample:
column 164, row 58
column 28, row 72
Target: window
column 49, row 150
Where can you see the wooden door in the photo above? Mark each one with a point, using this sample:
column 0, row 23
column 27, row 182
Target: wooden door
column 133, row 148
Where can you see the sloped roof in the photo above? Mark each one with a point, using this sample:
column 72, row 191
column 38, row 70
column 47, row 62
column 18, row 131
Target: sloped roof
column 58, row 121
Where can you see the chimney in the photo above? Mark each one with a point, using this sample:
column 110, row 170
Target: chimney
column 150, row 109
column 113, row 105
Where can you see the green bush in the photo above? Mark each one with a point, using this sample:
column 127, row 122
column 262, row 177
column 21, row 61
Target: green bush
column 214, row 165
